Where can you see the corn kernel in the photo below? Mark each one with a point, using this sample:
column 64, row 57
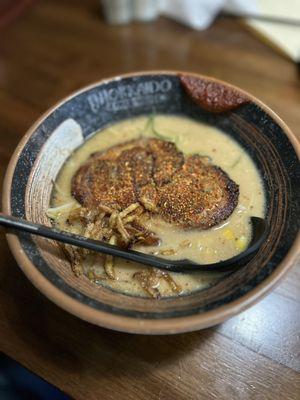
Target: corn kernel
column 228, row 234
column 91, row 275
column 241, row 243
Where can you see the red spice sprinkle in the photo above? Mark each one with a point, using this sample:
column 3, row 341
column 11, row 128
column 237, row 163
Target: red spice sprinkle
column 212, row 96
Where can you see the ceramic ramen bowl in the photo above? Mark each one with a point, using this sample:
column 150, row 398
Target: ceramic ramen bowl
column 45, row 148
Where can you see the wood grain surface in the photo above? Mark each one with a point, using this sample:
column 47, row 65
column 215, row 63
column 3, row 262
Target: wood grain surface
column 56, row 47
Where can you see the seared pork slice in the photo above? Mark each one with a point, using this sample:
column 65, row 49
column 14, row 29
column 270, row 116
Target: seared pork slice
column 200, row 195
column 114, row 177
column 189, row 192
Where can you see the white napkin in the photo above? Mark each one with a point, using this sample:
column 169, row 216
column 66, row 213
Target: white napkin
column 199, row 14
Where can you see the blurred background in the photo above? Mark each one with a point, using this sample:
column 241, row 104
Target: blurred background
column 49, row 48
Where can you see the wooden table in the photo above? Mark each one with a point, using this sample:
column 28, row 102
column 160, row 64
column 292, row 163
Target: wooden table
column 56, row 47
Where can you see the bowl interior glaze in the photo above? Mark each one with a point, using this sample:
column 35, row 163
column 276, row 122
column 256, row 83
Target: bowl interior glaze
column 65, row 127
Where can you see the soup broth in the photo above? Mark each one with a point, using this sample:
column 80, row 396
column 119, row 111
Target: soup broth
column 207, row 246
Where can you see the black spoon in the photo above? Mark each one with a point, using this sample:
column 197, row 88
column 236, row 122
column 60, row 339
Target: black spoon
column 259, row 230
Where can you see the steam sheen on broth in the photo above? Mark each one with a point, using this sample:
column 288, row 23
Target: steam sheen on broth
column 212, row 245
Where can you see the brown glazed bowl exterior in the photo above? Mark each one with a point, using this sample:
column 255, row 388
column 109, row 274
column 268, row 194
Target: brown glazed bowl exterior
column 46, row 146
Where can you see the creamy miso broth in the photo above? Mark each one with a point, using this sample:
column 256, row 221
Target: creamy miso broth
column 207, row 246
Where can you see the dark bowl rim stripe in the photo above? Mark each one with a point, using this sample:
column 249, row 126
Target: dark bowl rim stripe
column 132, row 324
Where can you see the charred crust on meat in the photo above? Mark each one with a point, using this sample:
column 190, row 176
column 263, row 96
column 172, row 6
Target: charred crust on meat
column 187, row 191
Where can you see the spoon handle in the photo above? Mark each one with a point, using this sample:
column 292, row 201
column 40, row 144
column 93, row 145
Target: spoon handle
column 18, row 224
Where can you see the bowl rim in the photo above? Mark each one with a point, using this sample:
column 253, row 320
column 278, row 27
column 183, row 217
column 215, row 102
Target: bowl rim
column 126, row 323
